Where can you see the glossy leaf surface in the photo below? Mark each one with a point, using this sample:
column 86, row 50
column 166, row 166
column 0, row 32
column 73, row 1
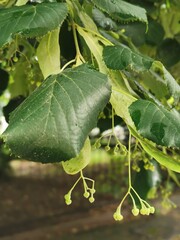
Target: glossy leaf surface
column 52, row 124
column 121, row 10
column 156, row 123
column 30, row 20
column 120, row 57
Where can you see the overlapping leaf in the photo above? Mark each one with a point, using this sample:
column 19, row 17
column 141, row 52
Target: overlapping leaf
column 120, row 57
column 52, row 124
column 156, row 123
column 30, row 21
column 121, row 10
column 48, row 53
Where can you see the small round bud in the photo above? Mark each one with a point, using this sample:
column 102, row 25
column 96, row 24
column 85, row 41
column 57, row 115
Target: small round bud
column 147, row 211
column 152, row 210
column 118, row 216
column 68, row 202
column 135, row 211
column 143, row 211
column 8, row 68
column 107, row 148
column 67, row 196
column 98, row 145
column 15, row 59
column 91, row 199
column 93, row 190
column 86, row 194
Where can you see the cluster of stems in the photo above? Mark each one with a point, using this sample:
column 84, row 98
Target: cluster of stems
column 145, row 208
column 88, row 191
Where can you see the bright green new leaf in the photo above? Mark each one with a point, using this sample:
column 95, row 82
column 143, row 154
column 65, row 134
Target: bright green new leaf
column 30, row 20
column 121, row 10
column 76, row 164
column 156, row 123
column 48, row 53
column 121, row 57
column 52, row 124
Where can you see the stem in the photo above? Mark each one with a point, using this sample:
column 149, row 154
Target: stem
column 101, row 38
column 78, row 53
column 67, row 64
column 125, row 196
column 75, row 184
column 113, row 121
column 129, row 160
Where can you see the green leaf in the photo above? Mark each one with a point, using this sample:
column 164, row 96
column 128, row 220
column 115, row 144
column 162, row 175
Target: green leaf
column 164, row 159
column 52, row 124
column 168, row 79
column 30, row 20
column 75, row 165
column 120, row 57
column 121, row 10
column 156, row 123
column 48, row 53
column 96, row 49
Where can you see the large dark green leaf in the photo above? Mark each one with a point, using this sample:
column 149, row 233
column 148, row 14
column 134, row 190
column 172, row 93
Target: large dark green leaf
column 121, row 10
column 52, row 124
column 156, row 123
column 120, row 57
column 30, row 20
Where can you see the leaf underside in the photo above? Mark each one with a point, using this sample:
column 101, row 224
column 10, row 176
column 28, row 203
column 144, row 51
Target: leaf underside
column 52, row 124
column 121, row 10
column 30, row 21
column 156, row 123
column 121, row 57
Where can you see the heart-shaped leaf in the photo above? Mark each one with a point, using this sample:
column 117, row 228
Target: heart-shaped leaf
column 120, row 57
column 156, row 123
column 30, row 20
column 52, row 124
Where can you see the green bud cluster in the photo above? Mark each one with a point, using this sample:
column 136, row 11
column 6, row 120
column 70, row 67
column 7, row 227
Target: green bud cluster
column 107, row 148
column 67, row 198
column 88, row 191
column 117, row 215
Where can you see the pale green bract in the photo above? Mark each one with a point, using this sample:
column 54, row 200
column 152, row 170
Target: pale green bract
column 75, row 165
column 48, row 53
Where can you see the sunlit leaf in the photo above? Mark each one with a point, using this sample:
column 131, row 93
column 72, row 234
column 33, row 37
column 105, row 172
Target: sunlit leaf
column 52, row 124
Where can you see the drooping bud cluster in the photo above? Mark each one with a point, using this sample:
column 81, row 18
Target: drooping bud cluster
column 88, row 191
